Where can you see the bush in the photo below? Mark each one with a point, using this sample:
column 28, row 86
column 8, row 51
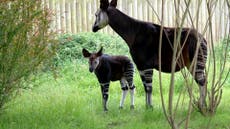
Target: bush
column 25, row 43
column 71, row 45
column 221, row 48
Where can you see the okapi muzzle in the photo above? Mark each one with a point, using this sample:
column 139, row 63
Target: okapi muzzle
column 101, row 20
column 93, row 63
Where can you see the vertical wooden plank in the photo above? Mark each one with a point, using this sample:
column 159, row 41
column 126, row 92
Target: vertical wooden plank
column 166, row 16
column 140, row 10
column 55, row 19
column 227, row 21
column 51, row 7
column 223, row 18
column 67, row 13
column 84, row 15
column 79, row 17
column 151, row 11
column 170, row 13
column 88, row 20
column 154, row 14
column 73, row 16
column 58, row 16
column 145, row 11
column 130, row 9
column 76, row 16
column 62, row 16
column 135, row 9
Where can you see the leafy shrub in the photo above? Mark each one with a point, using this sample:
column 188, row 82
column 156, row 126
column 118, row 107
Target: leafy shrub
column 26, row 43
column 222, row 47
column 71, row 45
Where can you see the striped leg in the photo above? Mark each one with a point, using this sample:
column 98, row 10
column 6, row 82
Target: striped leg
column 132, row 91
column 128, row 74
column 105, row 94
column 200, row 76
column 124, row 89
column 146, row 77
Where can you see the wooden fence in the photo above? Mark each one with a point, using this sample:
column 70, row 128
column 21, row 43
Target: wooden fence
column 73, row 16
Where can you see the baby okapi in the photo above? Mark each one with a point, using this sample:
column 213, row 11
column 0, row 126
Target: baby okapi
column 112, row 68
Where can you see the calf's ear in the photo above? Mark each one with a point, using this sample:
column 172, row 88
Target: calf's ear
column 86, row 53
column 99, row 53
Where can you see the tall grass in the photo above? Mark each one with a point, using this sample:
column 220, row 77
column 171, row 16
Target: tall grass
column 73, row 100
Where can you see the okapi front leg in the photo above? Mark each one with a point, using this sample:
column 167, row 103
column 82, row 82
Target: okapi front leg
column 146, row 77
column 105, row 94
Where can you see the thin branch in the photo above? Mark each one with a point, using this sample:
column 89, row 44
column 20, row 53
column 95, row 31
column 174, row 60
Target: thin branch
column 149, row 3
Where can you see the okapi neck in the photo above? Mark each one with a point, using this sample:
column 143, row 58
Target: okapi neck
column 123, row 25
column 100, row 63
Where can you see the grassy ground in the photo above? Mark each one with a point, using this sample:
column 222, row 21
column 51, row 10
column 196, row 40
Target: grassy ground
column 73, row 101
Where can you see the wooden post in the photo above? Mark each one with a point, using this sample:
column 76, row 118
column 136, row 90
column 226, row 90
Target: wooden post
column 73, row 16
column 79, row 17
column 58, row 16
column 62, row 16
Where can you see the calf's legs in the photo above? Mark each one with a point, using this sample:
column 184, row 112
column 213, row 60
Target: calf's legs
column 105, row 94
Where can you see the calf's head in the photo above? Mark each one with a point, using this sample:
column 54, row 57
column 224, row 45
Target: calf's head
column 94, row 58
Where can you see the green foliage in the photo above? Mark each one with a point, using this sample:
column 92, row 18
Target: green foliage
column 25, row 43
column 71, row 45
column 222, row 48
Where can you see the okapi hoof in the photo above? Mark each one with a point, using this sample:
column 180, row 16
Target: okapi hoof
column 105, row 110
column 202, row 107
column 132, row 107
column 149, row 107
column 120, row 107
column 202, row 104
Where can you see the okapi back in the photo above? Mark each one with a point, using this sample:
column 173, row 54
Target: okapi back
column 112, row 67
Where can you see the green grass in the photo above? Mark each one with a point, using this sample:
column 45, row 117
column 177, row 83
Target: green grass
column 73, row 101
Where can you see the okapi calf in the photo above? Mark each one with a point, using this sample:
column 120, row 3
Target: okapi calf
column 112, row 68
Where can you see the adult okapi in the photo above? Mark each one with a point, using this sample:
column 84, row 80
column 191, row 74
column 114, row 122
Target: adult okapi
column 143, row 41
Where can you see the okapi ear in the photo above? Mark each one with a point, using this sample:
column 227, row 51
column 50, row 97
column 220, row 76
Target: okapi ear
column 113, row 3
column 99, row 53
column 104, row 4
column 86, row 53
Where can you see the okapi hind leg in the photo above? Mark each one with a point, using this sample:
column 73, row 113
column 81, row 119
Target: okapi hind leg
column 202, row 82
column 128, row 75
column 132, row 91
column 146, row 77
column 200, row 75
column 124, row 89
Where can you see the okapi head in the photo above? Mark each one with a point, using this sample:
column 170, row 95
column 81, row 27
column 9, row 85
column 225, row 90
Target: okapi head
column 94, row 58
column 101, row 15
